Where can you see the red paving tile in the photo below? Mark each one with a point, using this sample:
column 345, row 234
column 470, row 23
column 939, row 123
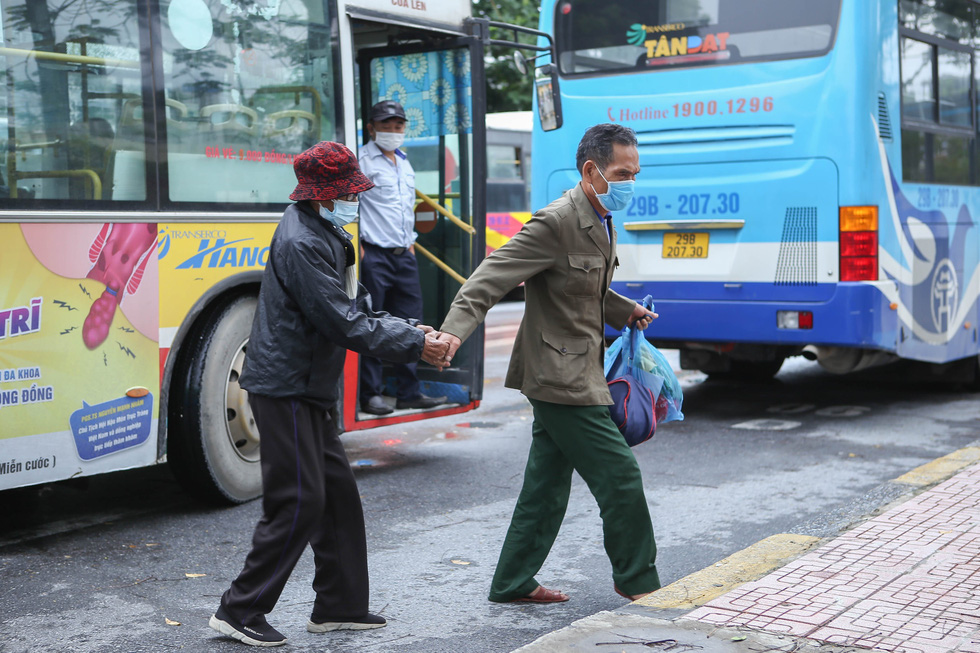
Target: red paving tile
column 906, row 581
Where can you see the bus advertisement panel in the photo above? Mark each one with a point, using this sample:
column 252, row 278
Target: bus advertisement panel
column 809, row 173
column 79, row 384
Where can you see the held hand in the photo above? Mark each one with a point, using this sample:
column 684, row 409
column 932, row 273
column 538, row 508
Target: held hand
column 641, row 317
column 435, row 350
column 425, row 328
column 453, row 343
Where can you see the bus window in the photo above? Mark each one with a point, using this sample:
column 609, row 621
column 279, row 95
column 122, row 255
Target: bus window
column 72, row 73
column 602, row 36
column 244, row 95
column 938, row 135
column 504, row 162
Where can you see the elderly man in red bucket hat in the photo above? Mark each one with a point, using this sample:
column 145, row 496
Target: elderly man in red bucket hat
column 310, row 311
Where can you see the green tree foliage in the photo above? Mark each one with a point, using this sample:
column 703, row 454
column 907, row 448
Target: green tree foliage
column 507, row 89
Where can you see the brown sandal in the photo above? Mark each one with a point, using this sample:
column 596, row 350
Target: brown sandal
column 542, row 595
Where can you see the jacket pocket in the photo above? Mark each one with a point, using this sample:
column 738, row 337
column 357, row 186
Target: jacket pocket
column 584, row 272
column 563, row 361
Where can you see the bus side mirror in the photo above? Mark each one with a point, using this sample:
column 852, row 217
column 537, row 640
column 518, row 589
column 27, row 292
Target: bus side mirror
column 548, row 96
column 520, row 62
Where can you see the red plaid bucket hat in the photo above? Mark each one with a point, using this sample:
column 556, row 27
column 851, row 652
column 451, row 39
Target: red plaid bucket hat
column 326, row 171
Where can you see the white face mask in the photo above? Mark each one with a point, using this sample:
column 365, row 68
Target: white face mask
column 389, row 141
column 343, row 213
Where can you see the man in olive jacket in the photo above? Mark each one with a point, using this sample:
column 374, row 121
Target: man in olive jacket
column 311, row 310
column 565, row 255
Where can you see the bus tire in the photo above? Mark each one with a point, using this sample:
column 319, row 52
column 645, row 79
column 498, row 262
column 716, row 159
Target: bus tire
column 213, row 443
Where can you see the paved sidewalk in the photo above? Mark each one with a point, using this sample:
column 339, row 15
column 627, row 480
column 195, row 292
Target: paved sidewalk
column 907, row 581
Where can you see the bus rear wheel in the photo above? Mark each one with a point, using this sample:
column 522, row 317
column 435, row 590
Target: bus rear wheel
column 213, row 442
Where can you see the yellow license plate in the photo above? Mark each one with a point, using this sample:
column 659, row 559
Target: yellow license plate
column 685, row 245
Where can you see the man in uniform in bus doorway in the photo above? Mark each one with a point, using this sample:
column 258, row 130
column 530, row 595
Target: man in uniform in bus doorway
column 310, row 311
column 389, row 270
column 565, row 255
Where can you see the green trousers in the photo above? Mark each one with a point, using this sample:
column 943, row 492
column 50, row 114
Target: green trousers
column 583, row 439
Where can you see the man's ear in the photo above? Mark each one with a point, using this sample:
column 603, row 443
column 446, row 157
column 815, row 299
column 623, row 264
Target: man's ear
column 586, row 169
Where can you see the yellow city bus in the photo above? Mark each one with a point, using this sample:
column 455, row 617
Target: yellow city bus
column 148, row 156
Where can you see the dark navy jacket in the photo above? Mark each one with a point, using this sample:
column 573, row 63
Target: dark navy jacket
column 305, row 321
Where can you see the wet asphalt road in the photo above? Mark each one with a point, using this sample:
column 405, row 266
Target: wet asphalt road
column 105, row 564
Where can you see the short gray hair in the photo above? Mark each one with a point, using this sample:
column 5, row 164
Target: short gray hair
column 597, row 144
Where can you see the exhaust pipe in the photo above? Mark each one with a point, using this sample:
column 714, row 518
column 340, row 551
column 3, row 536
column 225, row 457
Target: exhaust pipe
column 842, row 360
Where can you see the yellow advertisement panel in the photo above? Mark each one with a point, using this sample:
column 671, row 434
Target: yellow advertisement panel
column 79, row 362
column 196, row 257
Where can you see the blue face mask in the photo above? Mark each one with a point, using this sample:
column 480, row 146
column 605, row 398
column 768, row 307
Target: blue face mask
column 618, row 196
column 343, row 213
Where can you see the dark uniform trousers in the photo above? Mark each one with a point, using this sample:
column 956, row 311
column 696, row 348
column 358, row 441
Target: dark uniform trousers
column 309, row 497
column 393, row 282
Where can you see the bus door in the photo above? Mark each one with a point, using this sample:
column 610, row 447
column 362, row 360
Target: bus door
column 439, row 81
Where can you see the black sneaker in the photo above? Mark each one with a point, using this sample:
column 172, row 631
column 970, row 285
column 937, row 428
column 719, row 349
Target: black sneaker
column 376, row 405
column 422, row 401
column 257, row 634
column 364, row 623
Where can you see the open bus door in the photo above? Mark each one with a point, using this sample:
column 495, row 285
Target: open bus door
column 438, row 77
column 439, row 80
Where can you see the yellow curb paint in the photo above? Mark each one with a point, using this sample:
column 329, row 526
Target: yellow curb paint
column 941, row 468
column 746, row 565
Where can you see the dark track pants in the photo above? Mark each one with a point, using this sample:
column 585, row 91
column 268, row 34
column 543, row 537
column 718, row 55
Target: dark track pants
column 583, row 439
column 310, row 497
column 393, row 282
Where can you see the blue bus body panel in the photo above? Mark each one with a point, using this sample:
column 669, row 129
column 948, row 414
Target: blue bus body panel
column 779, row 147
column 856, row 314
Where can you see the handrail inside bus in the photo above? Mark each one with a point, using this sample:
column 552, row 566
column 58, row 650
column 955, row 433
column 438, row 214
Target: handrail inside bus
column 670, row 225
column 449, row 216
column 69, row 58
column 88, row 175
column 439, row 263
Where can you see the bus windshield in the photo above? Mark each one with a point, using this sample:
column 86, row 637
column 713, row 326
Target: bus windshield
column 615, row 36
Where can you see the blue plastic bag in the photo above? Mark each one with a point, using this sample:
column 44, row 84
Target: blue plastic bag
column 634, row 367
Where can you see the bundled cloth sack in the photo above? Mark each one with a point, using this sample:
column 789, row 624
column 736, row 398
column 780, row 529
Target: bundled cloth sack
column 643, row 385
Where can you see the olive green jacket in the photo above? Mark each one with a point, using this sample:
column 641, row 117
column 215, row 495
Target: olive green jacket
column 566, row 262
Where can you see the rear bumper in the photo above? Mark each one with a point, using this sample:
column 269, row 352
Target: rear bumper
column 855, row 315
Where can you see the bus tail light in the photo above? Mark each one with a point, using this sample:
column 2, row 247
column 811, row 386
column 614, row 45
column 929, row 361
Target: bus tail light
column 859, row 268
column 858, row 244
column 794, row 320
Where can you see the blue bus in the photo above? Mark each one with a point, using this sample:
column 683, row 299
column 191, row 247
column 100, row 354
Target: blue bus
column 809, row 179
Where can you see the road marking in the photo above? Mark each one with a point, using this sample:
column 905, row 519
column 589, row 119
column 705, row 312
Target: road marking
column 768, row 425
column 941, row 468
column 758, row 560
column 790, row 409
column 843, row 411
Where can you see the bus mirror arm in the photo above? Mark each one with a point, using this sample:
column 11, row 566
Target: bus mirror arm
column 546, row 75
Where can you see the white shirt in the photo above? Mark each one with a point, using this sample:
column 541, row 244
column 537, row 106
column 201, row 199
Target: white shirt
column 387, row 211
